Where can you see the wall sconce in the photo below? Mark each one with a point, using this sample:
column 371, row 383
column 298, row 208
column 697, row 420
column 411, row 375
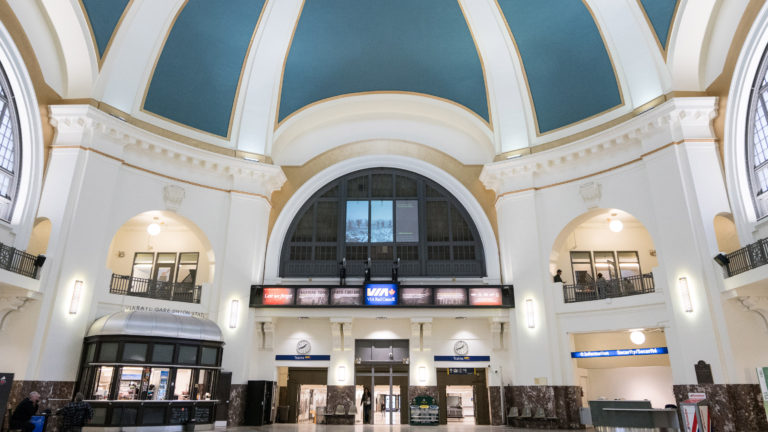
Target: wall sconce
column 341, row 373
column 422, row 374
column 529, row 313
column 234, row 308
column 685, row 294
column 75, row 303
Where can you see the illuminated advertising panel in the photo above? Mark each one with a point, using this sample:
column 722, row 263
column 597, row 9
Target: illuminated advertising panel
column 485, row 296
column 450, row 296
column 380, row 294
column 620, row 352
column 346, row 296
column 277, row 296
column 415, row 296
column 312, row 296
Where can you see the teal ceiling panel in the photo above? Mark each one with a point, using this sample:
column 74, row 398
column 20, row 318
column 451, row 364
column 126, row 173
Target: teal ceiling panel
column 660, row 13
column 103, row 16
column 569, row 72
column 341, row 47
column 197, row 74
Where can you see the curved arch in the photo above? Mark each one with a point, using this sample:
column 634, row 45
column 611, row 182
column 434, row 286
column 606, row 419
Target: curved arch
column 410, row 117
column 687, row 46
column 725, row 232
column 305, row 192
column 177, row 232
column 734, row 143
column 31, row 139
column 41, row 233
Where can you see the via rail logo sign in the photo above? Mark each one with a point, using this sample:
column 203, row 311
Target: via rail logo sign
column 381, row 294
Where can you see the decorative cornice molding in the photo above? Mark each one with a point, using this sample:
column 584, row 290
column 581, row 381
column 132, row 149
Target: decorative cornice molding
column 88, row 128
column 673, row 122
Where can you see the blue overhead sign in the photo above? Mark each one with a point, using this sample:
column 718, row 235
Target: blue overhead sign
column 463, row 358
column 294, row 357
column 620, row 352
column 380, row 294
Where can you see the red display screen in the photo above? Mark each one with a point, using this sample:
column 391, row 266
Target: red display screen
column 485, row 297
column 278, row 296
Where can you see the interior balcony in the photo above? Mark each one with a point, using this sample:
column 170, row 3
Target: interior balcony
column 745, row 270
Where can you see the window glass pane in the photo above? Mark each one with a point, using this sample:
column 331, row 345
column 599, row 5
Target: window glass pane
column 629, row 264
column 303, row 231
column 331, row 193
column 158, row 384
column 460, row 227
column 142, row 265
column 187, row 269
column 357, row 221
column 325, row 253
column 327, row 221
column 187, row 354
column 406, row 187
column 301, row 253
column 108, row 352
column 102, row 382
column 582, row 267
column 162, row 353
column 439, row 253
column 357, row 253
column 382, row 253
column 6, row 140
column 433, row 193
column 466, row 252
column 5, row 185
column 381, row 222
column 605, row 264
column 358, row 187
column 135, row 352
column 760, row 136
column 129, row 386
column 166, row 258
column 381, row 185
column 437, row 223
column 203, row 388
column 90, row 352
column 408, row 253
column 183, row 385
column 208, row 356
column 407, row 221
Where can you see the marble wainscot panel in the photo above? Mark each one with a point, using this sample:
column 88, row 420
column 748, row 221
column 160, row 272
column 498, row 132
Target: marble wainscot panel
column 734, row 407
column 237, row 397
column 560, row 403
column 340, row 395
column 53, row 395
column 414, row 391
column 497, row 413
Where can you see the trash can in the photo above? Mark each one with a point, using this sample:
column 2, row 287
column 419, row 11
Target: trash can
column 189, row 426
column 282, row 413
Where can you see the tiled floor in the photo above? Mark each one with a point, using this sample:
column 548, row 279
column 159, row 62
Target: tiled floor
column 378, row 428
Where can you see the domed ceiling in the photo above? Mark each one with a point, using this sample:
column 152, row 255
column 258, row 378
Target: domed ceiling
column 566, row 69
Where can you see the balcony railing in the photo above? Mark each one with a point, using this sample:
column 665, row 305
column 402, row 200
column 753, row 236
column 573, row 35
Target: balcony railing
column 628, row 286
column 747, row 258
column 154, row 289
column 18, row 261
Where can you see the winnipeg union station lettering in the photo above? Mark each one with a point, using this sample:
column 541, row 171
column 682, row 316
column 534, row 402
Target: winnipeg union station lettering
column 382, row 294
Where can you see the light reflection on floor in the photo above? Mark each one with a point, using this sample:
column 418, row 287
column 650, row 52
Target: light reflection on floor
column 380, row 428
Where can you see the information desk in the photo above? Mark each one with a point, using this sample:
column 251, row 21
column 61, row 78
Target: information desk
column 632, row 414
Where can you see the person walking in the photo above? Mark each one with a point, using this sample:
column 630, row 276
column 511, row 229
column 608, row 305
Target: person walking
column 20, row 419
column 365, row 401
column 75, row 414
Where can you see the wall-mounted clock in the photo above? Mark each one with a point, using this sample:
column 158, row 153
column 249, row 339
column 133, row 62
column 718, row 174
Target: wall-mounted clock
column 461, row 347
column 303, row 347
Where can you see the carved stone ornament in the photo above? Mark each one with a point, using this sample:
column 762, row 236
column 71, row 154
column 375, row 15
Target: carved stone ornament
column 590, row 193
column 173, row 196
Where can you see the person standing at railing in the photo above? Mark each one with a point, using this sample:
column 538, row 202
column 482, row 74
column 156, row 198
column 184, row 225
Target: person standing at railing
column 558, row 276
column 602, row 286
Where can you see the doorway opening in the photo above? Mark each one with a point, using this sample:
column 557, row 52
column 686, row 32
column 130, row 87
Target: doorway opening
column 305, row 395
column 311, row 402
column 386, row 404
column 460, row 404
column 389, row 395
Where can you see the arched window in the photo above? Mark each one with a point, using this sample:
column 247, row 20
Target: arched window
column 10, row 148
column 382, row 214
column 757, row 139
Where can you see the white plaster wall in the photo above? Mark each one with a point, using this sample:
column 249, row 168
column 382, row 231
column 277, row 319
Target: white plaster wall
column 288, row 332
column 632, row 383
column 476, row 332
column 749, row 337
column 16, row 339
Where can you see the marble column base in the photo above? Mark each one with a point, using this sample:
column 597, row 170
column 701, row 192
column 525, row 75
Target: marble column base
column 340, row 395
column 237, row 395
column 53, row 395
column 414, row 391
column 734, row 407
column 494, row 399
column 562, row 402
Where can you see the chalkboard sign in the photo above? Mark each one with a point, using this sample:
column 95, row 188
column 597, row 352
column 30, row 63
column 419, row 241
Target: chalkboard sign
column 424, row 411
column 703, row 373
column 179, row 415
column 202, row 414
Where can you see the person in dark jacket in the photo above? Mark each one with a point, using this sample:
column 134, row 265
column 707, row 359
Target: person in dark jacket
column 559, row 276
column 75, row 414
column 24, row 412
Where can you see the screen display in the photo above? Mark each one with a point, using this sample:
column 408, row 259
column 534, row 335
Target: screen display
column 416, row 296
column 357, row 221
column 485, row 296
column 312, row 296
column 450, row 296
column 380, row 294
column 407, row 218
column 346, row 296
column 277, row 296
column 381, row 222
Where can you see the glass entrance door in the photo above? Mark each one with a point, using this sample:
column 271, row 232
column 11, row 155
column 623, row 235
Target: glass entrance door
column 387, row 399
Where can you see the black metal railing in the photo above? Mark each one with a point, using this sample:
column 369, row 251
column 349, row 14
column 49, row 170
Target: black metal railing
column 747, row 258
column 154, row 289
column 602, row 289
column 20, row 262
